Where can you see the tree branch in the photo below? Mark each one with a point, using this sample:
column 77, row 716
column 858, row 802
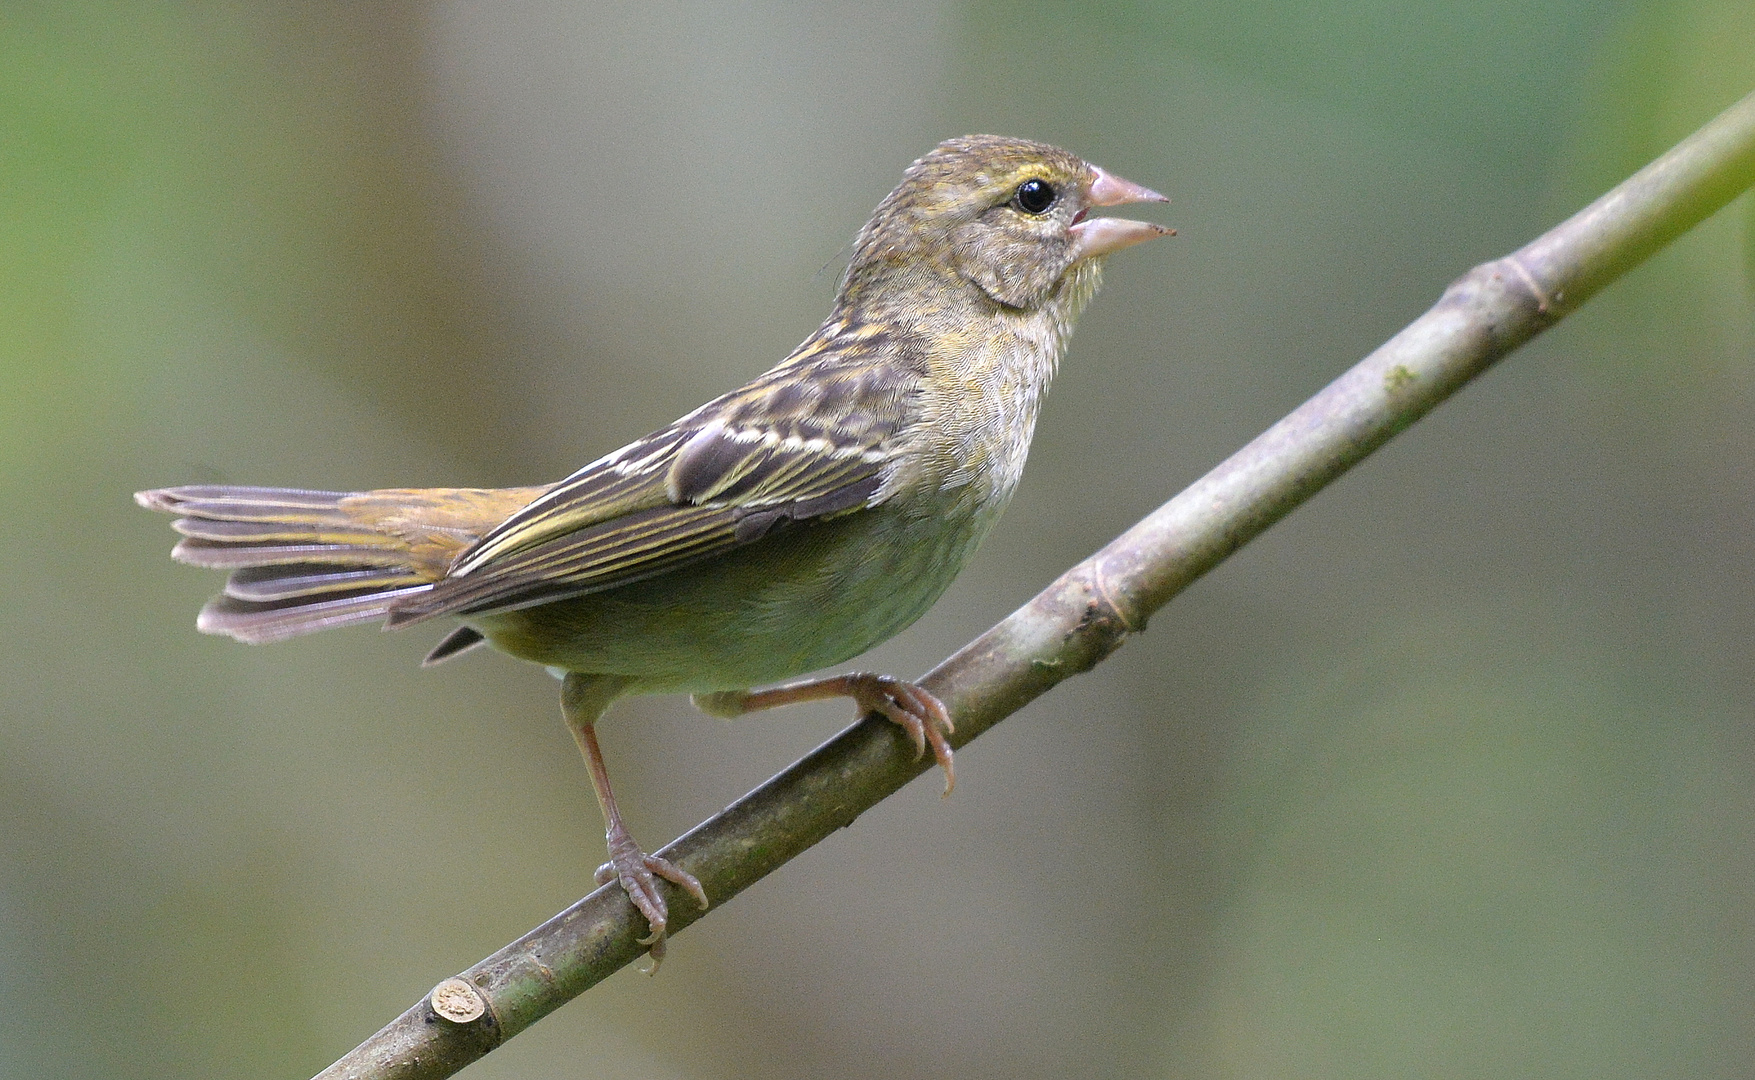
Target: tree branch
column 1085, row 615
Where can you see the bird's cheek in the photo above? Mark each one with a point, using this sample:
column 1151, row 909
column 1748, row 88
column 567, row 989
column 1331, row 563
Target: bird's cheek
column 1016, row 275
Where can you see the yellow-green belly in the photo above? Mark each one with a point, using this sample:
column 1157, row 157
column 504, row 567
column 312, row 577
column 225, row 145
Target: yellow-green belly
column 810, row 596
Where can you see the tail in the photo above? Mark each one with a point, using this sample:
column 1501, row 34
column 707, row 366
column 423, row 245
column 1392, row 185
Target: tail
column 303, row 561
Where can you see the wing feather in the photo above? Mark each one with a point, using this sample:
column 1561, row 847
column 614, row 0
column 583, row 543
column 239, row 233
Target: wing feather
column 812, row 438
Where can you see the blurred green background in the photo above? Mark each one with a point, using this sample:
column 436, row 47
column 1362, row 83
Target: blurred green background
column 1451, row 774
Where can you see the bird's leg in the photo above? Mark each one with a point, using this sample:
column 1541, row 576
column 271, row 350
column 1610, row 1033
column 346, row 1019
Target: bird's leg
column 583, row 700
column 918, row 713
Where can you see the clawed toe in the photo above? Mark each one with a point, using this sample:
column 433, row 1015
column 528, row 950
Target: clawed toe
column 920, row 715
column 679, row 877
column 638, row 874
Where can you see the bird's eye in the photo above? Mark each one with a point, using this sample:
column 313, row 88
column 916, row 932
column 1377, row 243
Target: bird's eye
column 1034, row 196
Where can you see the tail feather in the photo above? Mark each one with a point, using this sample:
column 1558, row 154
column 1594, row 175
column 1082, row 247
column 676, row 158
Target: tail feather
column 219, row 555
column 224, row 503
column 245, row 532
column 272, row 584
column 260, row 623
column 456, row 643
column 302, row 561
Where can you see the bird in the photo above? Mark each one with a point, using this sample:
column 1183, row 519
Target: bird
column 783, row 528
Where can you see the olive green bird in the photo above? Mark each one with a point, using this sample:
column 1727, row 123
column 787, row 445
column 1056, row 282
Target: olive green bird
column 785, row 527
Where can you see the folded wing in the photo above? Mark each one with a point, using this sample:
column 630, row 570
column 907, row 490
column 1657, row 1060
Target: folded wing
column 809, row 440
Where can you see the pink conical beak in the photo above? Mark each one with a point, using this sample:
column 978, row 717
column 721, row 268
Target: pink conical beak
column 1111, row 190
column 1104, row 236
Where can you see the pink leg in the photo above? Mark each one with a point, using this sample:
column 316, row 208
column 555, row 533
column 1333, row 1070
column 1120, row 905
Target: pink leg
column 919, row 714
column 583, row 700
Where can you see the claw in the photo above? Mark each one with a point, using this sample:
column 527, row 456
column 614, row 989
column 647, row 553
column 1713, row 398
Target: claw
column 909, row 721
column 679, row 877
column 638, row 873
column 922, row 717
column 918, row 713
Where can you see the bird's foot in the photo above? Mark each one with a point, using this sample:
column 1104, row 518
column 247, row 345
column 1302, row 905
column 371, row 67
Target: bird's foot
column 638, row 874
column 920, row 715
column 916, row 711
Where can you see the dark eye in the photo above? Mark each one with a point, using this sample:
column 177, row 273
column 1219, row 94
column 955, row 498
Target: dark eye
column 1034, row 196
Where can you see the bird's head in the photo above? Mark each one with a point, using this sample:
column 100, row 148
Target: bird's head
column 1006, row 217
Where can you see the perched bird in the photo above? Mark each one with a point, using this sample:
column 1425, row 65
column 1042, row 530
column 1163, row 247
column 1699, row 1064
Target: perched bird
column 785, row 527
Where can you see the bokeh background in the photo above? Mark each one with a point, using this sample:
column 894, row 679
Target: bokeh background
column 1451, row 774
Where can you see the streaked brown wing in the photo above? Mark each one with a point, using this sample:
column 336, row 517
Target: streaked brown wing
column 809, row 439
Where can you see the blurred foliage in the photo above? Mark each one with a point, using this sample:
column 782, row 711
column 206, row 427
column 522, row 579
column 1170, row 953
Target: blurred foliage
column 1506, row 859
column 1449, row 774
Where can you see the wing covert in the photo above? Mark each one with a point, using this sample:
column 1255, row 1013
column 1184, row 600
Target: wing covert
column 809, row 439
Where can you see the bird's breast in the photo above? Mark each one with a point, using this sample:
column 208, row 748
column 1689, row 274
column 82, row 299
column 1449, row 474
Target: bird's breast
column 980, row 407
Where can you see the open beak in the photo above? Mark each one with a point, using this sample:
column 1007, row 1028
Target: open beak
column 1104, row 236
column 1111, row 190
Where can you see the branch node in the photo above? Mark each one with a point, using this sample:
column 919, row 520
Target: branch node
column 1111, row 607
column 1102, row 624
column 1544, row 305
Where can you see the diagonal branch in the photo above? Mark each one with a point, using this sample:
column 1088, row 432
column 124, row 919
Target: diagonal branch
column 1085, row 615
